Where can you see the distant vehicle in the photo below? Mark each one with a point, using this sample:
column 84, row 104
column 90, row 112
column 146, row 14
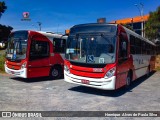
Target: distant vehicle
column 3, row 44
column 106, row 56
column 35, row 54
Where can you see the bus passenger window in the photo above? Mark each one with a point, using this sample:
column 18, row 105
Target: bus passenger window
column 122, row 47
column 59, row 45
column 39, row 49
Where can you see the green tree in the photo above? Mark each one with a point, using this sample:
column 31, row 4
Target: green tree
column 3, row 8
column 152, row 27
column 5, row 31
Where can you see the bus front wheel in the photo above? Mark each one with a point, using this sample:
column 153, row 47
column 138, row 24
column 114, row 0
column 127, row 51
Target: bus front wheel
column 128, row 80
column 55, row 72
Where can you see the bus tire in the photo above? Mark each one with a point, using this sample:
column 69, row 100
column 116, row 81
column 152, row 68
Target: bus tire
column 128, row 80
column 56, row 72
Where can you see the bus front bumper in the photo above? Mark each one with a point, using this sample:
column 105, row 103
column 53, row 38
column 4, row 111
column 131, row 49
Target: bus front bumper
column 99, row 83
column 19, row 73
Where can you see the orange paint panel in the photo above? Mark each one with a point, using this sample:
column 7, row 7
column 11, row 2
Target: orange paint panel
column 129, row 20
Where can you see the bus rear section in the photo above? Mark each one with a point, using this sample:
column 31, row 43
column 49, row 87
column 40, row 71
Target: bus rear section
column 35, row 54
column 98, row 56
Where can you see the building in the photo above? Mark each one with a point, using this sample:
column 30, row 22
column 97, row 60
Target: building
column 136, row 23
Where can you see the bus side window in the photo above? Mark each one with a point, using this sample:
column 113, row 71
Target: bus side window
column 59, row 45
column 132, row 45
column 122, row 47
column 39, row 49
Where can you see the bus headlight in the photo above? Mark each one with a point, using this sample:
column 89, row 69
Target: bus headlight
column 66, row 69
column 110, row 73
column 23, row 65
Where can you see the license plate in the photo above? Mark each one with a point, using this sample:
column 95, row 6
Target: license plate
column 85, row 81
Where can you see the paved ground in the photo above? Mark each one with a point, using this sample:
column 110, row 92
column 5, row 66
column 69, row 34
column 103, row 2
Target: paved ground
column 42, row 94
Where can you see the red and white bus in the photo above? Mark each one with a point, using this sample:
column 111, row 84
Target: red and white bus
column 35, row 54
column 106, row 56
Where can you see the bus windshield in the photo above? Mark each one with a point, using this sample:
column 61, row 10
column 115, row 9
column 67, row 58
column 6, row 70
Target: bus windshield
column 17, row 45
column 96, row 47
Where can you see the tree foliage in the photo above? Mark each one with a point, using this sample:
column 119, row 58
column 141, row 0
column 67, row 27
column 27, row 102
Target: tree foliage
column 4, row 32
column 3, row 7
column 152, row 27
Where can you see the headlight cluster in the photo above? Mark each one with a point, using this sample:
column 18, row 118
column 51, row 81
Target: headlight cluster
column 110, row 73
column 23, row 65
column 66, row 69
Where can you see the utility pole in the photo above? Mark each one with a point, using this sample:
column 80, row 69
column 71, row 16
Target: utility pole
column 39, row 24
column 140, row 8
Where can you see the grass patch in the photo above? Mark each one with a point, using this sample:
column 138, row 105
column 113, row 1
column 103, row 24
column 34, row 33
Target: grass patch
column 2, row 60
column 157, row 69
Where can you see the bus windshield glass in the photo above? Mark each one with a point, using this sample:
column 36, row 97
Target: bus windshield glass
column 17, row 45
column 93, row 45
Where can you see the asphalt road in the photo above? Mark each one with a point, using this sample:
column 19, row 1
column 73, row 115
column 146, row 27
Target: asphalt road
column 43, row 94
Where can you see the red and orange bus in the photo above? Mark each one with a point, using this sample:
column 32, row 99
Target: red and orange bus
column 106, row 56
column 35, row 54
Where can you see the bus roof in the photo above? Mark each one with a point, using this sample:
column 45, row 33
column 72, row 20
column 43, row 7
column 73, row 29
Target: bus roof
column 51, row 34
column 138, row 36
column 48, row 34
column 114, row 24
column 95, row 24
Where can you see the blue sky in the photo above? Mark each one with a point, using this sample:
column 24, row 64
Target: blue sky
column 58, row 15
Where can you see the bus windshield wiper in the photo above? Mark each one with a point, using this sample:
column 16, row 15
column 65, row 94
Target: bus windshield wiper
column 102, row 35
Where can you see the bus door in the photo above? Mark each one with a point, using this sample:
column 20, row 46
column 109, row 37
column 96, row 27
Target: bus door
column 123, row 65
column 39, row 57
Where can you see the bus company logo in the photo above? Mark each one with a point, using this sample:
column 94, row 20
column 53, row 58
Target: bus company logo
column 25, row 14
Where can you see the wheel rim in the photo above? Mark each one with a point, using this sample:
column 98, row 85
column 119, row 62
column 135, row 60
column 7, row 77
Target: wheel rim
column 55, row 72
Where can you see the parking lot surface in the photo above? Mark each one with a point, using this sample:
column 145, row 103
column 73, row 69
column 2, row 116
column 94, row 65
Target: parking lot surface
column 43, row 94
